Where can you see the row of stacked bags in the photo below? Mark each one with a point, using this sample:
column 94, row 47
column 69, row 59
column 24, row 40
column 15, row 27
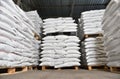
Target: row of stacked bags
column 92, row 47
column 60, row 51
column 111, row 25
column 18, row 47
column 90, row 21
column 53, row 25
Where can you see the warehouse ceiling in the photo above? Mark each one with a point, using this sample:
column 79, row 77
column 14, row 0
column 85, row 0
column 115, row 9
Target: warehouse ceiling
column 62, row 8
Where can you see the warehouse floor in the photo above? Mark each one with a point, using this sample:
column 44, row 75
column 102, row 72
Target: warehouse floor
column 63, row 74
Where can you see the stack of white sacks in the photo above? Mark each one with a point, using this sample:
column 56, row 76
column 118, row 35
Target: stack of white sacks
column 52, row 25
column 95, row 53
column 60, row 51
column 91, row 21
column 33, row 15
column 18, row 46
column 111, row 27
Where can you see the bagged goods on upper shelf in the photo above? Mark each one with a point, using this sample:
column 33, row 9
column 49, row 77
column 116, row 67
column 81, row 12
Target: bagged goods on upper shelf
column 91, row 21
column 53, row 25
column 17, row 45
column 111, row 29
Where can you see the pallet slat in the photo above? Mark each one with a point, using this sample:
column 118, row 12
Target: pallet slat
column 76, row 68
column 114, row 69
column 25, row 69
column 11, row 70
column 97, row 67
column 62, row 33
column 14, row 70
column 92, row 35
column 37, row 37
column 45, row 68
column 59, row 68
column 30, row 68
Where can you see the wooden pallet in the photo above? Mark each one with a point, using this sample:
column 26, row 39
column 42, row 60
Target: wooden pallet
column 75, row 67
column 62, row 33
column 92, row 35
column 97, row 67
column 115, row 69
column 46, row 67
column 13, row 70
column 37, row 37
column 32, row 68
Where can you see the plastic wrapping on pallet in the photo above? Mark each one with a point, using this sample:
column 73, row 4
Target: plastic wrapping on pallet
column 18, row 47
column 60, row 51
column 91, row 21
column 111, row 34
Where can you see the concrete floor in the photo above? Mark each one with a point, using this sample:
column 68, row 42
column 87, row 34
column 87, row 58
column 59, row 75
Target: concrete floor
column 63, row 74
